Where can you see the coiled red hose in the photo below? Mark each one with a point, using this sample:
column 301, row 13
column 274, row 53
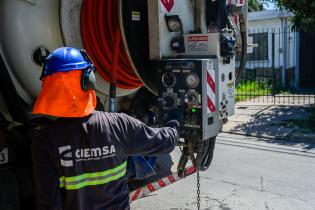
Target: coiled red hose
column 101, row 38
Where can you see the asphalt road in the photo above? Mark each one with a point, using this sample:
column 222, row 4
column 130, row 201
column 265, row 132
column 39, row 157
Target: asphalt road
column 247, row 173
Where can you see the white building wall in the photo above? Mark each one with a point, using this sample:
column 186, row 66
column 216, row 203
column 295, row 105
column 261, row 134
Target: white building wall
column 286, row 42
column 282, row 41
column 261, row 26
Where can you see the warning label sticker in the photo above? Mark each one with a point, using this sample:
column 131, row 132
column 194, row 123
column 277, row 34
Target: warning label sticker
column 197, row 43
column 230, row 89
column 135, row 16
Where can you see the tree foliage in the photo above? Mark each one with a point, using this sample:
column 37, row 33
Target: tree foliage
column 304, row 12
column 254, row 5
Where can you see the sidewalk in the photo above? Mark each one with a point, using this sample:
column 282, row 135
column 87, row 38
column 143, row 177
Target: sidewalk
column 278, row 122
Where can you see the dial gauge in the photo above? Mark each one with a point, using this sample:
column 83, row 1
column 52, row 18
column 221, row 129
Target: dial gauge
column 192, row 80
column 174, row 25
column 168, row 79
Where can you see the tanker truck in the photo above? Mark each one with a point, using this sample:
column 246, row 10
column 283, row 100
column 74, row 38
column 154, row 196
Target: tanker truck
column 153, row 57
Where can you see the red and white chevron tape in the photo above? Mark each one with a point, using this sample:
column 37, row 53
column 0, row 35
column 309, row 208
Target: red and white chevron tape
column 210, row 88
column 161, row 183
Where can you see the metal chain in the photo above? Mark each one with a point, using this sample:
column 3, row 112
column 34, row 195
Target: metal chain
column 198, row 190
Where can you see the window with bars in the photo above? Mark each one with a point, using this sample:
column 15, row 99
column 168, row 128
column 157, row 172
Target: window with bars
column 259, row 53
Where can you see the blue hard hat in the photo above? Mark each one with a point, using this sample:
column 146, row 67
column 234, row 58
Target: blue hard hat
column 65, row 59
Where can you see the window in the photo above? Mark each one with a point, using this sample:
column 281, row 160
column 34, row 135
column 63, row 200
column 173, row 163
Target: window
column 259, row 53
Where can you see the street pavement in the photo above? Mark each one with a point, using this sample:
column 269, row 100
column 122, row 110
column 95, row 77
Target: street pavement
column 246, row 173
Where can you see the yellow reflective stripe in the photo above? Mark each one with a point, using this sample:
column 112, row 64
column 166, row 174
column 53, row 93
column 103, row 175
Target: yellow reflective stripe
column 96, row 174
column 87, row 179
column 96, row 182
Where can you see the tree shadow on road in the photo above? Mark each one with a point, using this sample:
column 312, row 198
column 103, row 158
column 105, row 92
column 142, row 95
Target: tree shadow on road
column 274, row 123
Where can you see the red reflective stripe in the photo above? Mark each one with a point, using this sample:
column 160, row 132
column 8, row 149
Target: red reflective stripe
column 161, row 183
column 211, row 105
column 150, row 187
column 171, row 178
column 136, row 194
column 190, row 170
column 210, row 82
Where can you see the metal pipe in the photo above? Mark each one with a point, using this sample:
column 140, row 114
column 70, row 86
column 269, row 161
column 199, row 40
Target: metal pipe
column 200, row 15
column 222, row 14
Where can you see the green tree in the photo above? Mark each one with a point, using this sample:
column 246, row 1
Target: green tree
column 304, row 12
column 254, row 5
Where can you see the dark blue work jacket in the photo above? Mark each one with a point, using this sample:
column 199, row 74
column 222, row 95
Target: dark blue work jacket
column 80, row 163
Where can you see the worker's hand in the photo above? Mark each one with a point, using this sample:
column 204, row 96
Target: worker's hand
column 173, row 124
column 174, row 119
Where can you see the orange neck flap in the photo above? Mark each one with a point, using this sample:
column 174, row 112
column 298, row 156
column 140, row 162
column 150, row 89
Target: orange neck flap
column 62, row 96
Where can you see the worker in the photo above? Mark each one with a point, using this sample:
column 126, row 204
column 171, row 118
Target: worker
column 80, row 159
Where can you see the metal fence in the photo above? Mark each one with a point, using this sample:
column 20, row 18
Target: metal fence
column 273, row 70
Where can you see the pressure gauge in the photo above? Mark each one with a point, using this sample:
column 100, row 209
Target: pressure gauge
column 192, row 80
column 168, row 79
column 173, row 25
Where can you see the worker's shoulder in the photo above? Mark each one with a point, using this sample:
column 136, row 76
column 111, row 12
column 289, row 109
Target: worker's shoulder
column 111, row 117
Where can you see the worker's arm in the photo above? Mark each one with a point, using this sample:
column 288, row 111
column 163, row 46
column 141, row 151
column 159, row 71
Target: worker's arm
column 46, row 179
column 139, row 139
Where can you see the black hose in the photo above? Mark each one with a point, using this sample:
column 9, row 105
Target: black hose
column 202, row 155
column 208, row 159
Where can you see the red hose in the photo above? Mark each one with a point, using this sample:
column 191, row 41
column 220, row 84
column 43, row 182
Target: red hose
column 101, row 38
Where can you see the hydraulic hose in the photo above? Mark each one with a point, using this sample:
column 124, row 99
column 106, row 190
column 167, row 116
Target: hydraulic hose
column 207, row 159
column 100, row 30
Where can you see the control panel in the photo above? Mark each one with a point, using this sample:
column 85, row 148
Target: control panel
column 188, row 88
